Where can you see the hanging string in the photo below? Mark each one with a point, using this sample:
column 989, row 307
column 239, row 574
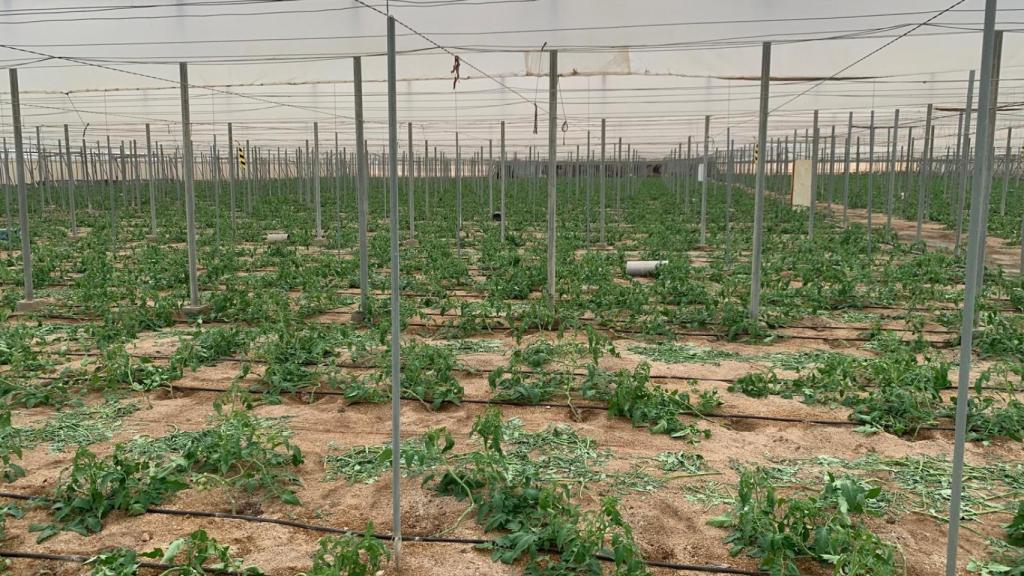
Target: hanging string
column 85, row 125
column 565, row 117
column 536, row 85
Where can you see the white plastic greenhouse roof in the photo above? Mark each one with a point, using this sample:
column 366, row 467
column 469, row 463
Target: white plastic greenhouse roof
column 652, row 68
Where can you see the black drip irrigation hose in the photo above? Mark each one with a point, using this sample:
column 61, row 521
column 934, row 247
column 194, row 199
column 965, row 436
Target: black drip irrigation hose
column 466, row 370
column 703, row 568
column 685, row 332
column 948, row 306
column 77, row 559
column 719, row 335
column 612, row 330
column 724, row 416
column 581, row 406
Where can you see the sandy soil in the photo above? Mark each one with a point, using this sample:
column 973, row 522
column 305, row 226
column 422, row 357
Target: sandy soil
column 667, row 526
column 998, row 252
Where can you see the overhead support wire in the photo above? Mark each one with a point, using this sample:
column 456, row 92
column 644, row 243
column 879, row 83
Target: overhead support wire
column 870, row 54
column 447, row 51
column 161, row 79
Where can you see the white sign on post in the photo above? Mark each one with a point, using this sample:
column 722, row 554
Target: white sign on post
column 700, row 173
column 801, row 183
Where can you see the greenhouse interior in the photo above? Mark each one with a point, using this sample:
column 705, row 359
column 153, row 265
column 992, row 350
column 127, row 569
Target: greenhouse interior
column 502, row 287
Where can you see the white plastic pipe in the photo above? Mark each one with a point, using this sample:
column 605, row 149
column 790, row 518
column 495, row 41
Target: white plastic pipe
column 274, row 237
column 643, row 267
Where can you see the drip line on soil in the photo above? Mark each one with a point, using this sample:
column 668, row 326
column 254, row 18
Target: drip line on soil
column 466, row 370
column 702, row 568
column 611, row 330
column 726, row 415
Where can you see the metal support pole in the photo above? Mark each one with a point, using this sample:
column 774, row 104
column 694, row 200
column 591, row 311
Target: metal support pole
column 871, row 177
column 412, row 187
column 704, row 185
column 502, row 175
column 972, row 282
column 846, row 172
column 190, row 200
column 232, row 174
column 490, row 177
column 396, row 323
column 677, row 173
column 1007, row 164
column 812, row 211
column 589, row 189
column 8, row 209
column 889, row 199
column 362, row 184
column 215, row 174
column 990, row 145
column 965, row 148
column 602, row 200
column 426, row 178
column 19, row 160
column 458, row 196
column 315, row 171
column 152, row 182
column 336, row 166
column 71, row 182
column 910, row 165
column 832, row 170
column 922, row 189
column 136, row 173
column 111, row 197
column 124, row 176
column 552, row 169
column 250, row 156
column 762, row 143
column 728, row 188
column 40, row 170
column 85, row 176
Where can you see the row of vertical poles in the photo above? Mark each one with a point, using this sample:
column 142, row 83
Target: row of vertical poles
column 978, row 217
column 262, row 169
column 907, row 179
column 981, row 191
column 129, row 169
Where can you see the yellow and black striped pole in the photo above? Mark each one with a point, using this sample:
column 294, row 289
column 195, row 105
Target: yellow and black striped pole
column 241, row 157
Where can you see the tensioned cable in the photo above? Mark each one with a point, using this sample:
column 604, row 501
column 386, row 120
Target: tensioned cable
column 242, row 14
column 113, row 7
column 859, row 60
column 674, row 95
column 447, row 51
column 724, row 43
column 881, row 79
column 478, row 3
column 152, row 77
column 870, row 54
column 486, row 33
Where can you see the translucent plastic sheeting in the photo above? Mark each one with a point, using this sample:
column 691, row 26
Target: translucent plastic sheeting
column 653, row 69
column 604, row 63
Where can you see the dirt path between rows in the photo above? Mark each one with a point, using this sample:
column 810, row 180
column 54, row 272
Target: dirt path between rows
column 998, row 251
